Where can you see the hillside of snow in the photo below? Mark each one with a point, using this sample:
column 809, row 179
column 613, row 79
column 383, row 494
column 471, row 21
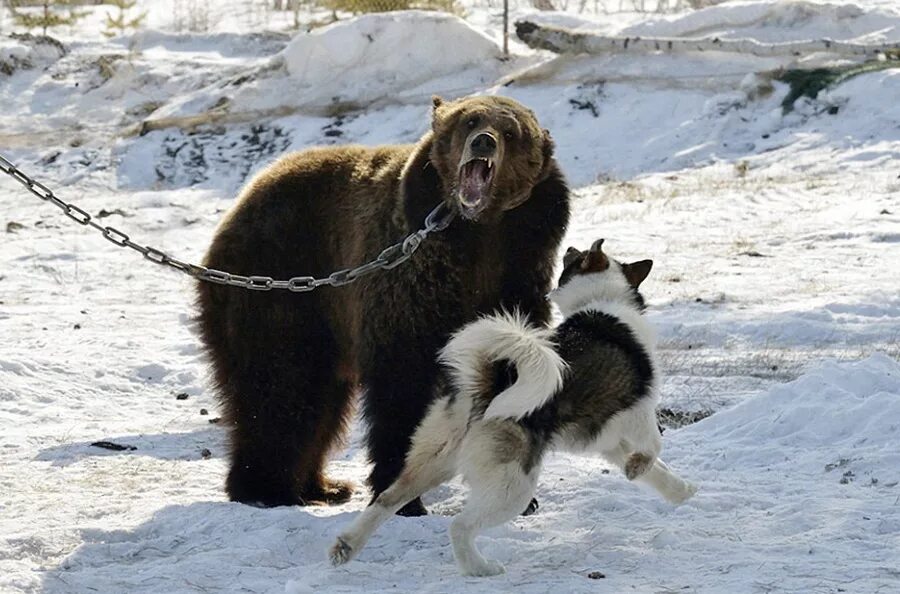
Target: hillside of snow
column 775, row 292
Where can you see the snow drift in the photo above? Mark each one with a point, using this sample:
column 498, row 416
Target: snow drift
column 382, row 55
column 770, row 21
column 22, row 52
column 776, row 21
column 375, row 59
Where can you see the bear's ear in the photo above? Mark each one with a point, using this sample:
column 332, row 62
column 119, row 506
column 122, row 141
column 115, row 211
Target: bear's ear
column 547, row 153
column 421, row 186
column 548, row 145
column 438, row 110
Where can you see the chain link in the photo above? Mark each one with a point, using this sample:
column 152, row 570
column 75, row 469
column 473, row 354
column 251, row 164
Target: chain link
column 389, row 258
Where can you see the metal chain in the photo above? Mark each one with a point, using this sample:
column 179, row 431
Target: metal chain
column 391, row 257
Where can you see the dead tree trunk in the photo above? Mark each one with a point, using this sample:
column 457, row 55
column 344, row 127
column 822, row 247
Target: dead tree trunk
column 566, row 41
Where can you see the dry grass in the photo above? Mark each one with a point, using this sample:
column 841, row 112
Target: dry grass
column 366, row 6
column 678, row 186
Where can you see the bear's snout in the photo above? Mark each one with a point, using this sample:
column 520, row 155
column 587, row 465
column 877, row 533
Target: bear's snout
column 484, row 145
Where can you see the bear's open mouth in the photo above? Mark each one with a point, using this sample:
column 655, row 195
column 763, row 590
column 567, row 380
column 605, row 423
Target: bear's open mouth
column 475, row 177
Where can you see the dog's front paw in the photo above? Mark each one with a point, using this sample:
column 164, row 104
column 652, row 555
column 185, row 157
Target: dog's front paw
column 340, row 552
column 486, row 569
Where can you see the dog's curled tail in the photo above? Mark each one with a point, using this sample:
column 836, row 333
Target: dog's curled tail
column 506, row 336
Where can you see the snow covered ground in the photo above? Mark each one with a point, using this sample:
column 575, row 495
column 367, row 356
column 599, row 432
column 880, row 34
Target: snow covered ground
column 776, row 291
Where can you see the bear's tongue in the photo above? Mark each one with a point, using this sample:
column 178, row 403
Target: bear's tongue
column 474, row 182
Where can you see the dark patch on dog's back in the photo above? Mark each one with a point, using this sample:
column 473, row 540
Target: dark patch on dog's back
column 609, row 371
column 575, row 334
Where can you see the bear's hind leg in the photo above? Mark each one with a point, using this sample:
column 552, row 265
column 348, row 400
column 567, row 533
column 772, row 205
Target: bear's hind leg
column 285, row 400
column 281, row 441
column 393, row 408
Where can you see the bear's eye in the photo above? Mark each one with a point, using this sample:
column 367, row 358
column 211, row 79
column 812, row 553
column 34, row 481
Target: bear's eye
column 472, row 123
column 508, row 135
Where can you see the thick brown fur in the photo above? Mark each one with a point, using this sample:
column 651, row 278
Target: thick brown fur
column 286, row 365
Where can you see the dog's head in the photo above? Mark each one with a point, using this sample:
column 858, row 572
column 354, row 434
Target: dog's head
column 591, row 275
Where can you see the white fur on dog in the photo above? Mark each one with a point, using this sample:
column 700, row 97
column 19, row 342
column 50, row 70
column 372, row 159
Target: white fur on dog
column 609, row 286
column 506, row 336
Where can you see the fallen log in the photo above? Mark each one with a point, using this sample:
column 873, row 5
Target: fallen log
column 568, row 41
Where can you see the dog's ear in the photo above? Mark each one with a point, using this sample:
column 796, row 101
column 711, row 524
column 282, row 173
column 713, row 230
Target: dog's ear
column 637, row 272
column 571, row 255
column 595, row 260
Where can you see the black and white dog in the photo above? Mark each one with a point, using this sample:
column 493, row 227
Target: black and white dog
column 588, row 385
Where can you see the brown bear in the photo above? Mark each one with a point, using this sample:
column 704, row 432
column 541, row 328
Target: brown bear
column 286, row 365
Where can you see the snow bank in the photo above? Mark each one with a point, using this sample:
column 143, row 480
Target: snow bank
column 217, row 45
column 763, row 20
column 778, row 20
column 379, row 55
column 847, row 411
column 22, row 52
column 394, row 58
column 653, row 114
column 807, row 321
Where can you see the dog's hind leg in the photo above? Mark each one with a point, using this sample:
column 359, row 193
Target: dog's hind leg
column 657, row 475
column 430, row 462
column 672, row 487
column 637, row 464
column 489, row 505
column 501, row 486
column 635, row 432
